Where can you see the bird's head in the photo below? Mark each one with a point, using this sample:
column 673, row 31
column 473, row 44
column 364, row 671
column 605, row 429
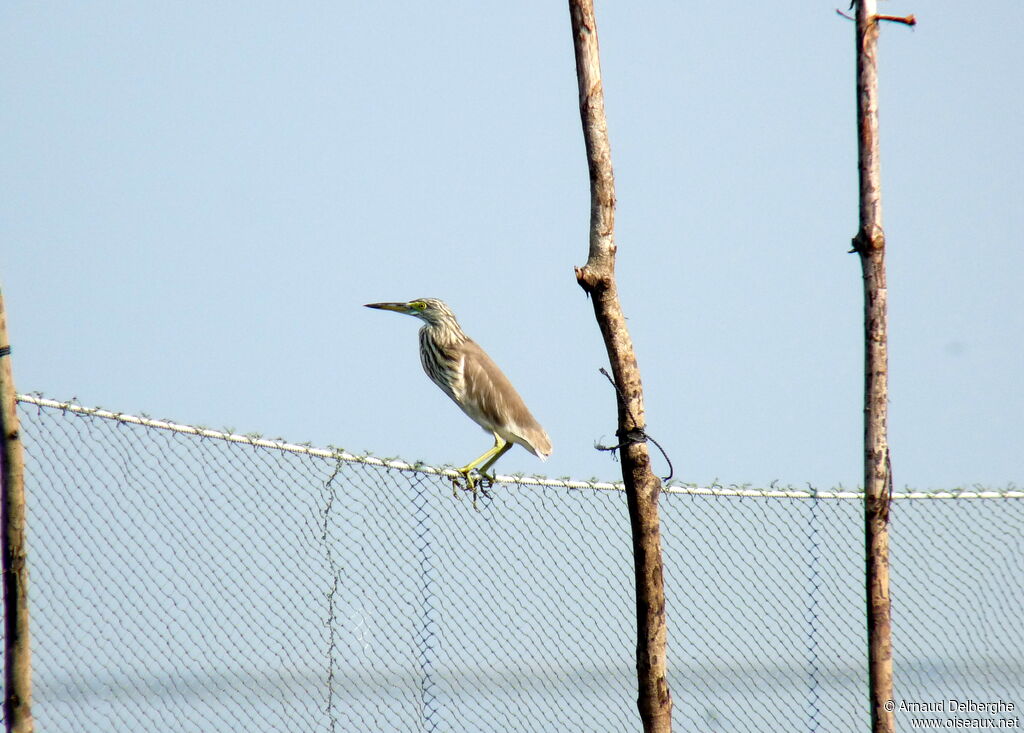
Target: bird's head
column 431, row 310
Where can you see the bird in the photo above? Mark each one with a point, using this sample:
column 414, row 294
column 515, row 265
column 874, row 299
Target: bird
column 464, row 372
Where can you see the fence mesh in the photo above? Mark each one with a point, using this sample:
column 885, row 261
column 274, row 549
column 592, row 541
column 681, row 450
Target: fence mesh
column 186, row 583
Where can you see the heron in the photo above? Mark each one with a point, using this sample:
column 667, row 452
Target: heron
column 464, row 372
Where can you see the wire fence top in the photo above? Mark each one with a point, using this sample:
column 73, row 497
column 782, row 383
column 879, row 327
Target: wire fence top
column 208, row 581
column 736, row 490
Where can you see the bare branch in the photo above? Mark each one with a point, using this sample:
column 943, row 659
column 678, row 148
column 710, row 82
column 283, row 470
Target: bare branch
column 869, row 243
column 597, row 278
column 904, row 19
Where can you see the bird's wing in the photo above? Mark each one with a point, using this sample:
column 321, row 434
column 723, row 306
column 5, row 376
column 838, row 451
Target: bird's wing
column 490, row 399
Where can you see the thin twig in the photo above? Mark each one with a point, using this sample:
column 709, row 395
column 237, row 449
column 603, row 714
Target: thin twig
column 904, row 19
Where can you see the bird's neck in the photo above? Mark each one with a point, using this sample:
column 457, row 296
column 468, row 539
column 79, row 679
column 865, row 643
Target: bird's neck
column 445, row 334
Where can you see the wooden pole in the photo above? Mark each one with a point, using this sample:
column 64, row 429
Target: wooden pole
column 597, row 278
column 17, row 653
column 870, row 245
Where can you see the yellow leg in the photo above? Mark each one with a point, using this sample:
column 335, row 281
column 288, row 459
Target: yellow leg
column 505, row 448
column 500, row 446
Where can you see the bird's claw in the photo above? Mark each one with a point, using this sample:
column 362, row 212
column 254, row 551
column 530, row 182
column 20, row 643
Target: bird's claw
column 476, row 483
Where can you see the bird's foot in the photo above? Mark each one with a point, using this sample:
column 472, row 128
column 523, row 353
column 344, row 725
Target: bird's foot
column 476, row 483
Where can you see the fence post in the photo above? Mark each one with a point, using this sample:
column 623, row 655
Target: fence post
column 870, row 245
column 17, row 654
column 597, row 278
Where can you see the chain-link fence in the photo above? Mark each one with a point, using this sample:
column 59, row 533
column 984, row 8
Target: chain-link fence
column 190, row 583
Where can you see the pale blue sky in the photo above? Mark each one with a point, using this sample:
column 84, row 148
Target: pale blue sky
column 197, row 198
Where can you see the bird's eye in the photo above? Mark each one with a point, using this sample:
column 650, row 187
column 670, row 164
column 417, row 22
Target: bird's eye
column 419, row 305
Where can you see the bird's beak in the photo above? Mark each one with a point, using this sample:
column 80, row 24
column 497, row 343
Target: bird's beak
column 396, row 307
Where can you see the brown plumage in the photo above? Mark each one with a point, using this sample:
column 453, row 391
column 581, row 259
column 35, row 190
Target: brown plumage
column 470, row 377
column 491, row 400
